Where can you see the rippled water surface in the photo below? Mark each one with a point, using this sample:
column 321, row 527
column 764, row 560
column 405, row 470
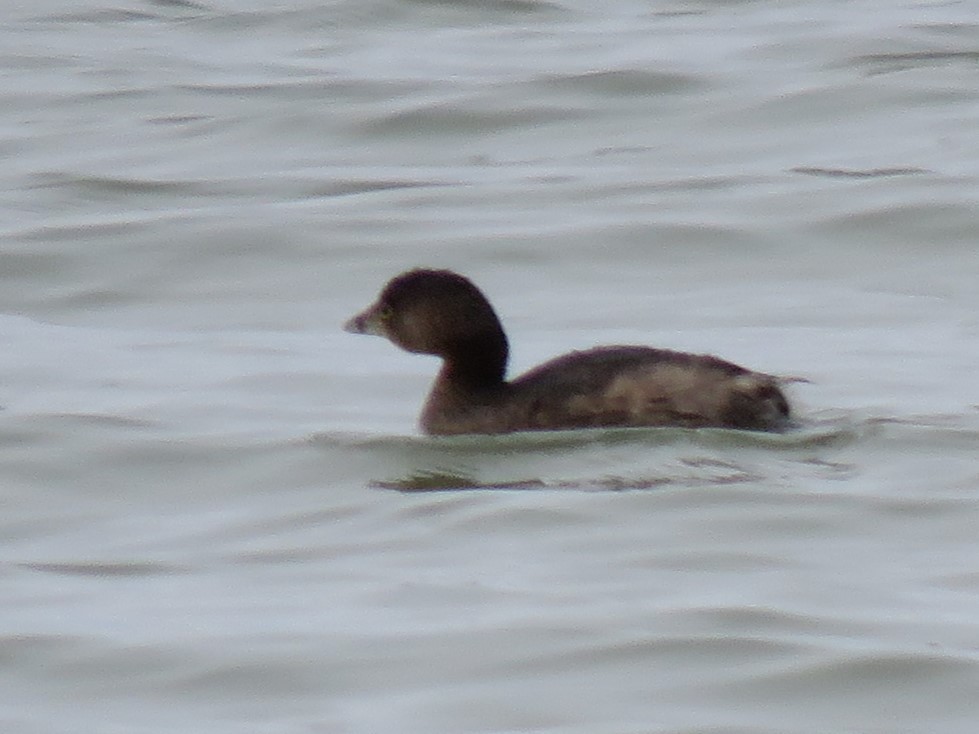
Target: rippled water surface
column 218, row 513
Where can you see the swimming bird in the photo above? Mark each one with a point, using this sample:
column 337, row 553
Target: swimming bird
column 442, row 313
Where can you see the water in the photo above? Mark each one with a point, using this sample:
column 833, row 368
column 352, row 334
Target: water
column 218, row 514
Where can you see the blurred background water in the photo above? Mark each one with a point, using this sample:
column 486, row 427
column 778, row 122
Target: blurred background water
column 218, row 514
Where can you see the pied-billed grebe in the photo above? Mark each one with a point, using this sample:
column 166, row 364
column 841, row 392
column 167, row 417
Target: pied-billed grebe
column 442, row 313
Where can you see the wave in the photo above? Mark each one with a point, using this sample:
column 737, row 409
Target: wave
column 644, row 458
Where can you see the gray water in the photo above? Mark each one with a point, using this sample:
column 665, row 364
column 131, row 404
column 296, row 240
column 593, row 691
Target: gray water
column 218, row 514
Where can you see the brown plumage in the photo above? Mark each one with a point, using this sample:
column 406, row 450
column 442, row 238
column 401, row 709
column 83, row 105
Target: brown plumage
column 442, row 313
